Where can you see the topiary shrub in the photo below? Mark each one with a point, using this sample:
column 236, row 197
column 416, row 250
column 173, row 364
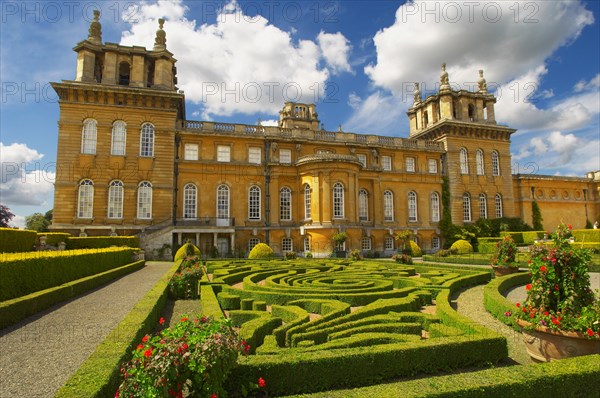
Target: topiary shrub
column 462, row 247
column 17, row 240
column 415, row 249
column 355, row 255
column 186, row 250
column 261, row 250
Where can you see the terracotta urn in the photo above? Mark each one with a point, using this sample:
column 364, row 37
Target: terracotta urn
column 545, row 345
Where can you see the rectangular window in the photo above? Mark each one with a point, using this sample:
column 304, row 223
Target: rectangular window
column 362, row 159
column 435, row 243
column 285, row 156
column 433, row 166
column 223, row 153
column 389, row 243
column 254, row 155
column 410, row 165
column 366, row 243
column 306, row 244
column 191, row 152
column 386, row 163
column 287, row 245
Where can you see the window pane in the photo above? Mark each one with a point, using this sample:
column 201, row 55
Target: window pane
column 466, row 207
column 285, row 156
column 189, row 201
column 223, row 202
column 412, row 206
column 88, row 137
column 223, row 153
column 147, row 140
column 432, row 166
column 362, row 159
column 338, row 200
column 119, row 135
column 499, row 211
column 388, row 206
column 307, row 202
column 389, row 243
column 464, row 161
column 435, row 207
column 285, row 204
column 482, row 206
column 115, row 200
column 254, row 155
column 144, row 200
column 410, row 165
column 252, row 242
column 191, row 152
column 386, row 163
column 363, row 205
column 254, row 203
column 495, row 164
column 366, row 243
column 85, row 203
column 479, row 161
column 306, row 244
column 286, row 245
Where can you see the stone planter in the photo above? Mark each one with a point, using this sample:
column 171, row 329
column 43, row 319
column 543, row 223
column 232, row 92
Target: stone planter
column 545, row 345
column 501, row 271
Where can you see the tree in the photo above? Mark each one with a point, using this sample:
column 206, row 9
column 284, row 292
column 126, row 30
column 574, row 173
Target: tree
column 37, row 222
column 49, row 214
column 536, row 215
column 5, row 216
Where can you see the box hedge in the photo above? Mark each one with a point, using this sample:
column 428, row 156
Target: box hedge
column 17, row 240
column 98, row 242
column 494, row 298
column 28, row 273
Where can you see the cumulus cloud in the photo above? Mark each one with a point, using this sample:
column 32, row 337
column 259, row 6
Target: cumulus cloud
column 25, row 180
column 582, row 85
column 240, row 64
column 385, row 109
column 335, row 49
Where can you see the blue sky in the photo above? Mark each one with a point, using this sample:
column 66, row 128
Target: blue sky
column 238, row 61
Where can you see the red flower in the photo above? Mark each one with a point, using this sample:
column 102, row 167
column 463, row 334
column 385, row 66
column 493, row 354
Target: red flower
column 590, row 332
column 117, row 394
column 518, row 304
column 570, row 226
column 543, row 268
column 532, row 314
column 555, row 286
column 213, row 395
column 184, row 319
column 140, row 347
column 261, row 382
column 145, row 339
column 148, row 353
column 555, row 321
column 528, row 286
column 546, row 313
column 161, row 320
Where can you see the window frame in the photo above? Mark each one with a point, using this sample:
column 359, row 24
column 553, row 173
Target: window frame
column 483, row 212
column 287, row 152
column 413, row 210
column 388, row 206
column 285, row 204
column 89, row 137
column 434, row 169
column 144, row 188
column 499, row 205
column 190, row 201
column 255, row 155
column 188, row 153
column 307, row 202
column 338, row 201
column 223, row 153
column 479, row 162
column 496, row 164
column 464, row 161
column 466, row 203
column 254, row 203
column 435, row 207
column 410, row 164
column 363, row 205
column 85, row 199
column 289, row 243
column 386, row 162
column 116, row 193
column 118, row 138
column 147, row 133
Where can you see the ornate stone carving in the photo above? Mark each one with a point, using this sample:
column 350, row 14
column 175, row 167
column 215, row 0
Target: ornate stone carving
column 417, row 94
column 160, row 42
column 444, row 79
column 95, row 32
column 482, row 83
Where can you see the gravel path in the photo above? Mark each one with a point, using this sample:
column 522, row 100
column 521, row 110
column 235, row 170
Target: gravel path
column 470, row 304
column 39, row 354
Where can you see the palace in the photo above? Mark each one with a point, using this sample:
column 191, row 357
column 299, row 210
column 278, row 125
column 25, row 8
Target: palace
column 131, row 163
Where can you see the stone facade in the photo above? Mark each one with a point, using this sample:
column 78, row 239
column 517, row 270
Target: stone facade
column 130, row 163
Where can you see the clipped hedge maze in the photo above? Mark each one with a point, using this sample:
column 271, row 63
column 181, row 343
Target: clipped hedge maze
column 319, row 325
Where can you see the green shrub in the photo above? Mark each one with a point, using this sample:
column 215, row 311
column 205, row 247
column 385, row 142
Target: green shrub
column 586, row 235
column 17, row 240
column 290, row 255
column 22, row 275
column 209, row 302
column 186, row 250
column 54, row 238
column 261, row 250
column 415, row 249
column 184, row 284
column 355, row 255
column 99, row 242
column 462, row 247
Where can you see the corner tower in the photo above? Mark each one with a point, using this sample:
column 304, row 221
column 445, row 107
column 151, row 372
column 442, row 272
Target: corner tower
column 477, row 161
column 116, row 137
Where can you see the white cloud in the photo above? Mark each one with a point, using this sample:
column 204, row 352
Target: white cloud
column 335, row 49
column 583, row 85
column 17, row 221
column 269, row 122
column 239, row 64
column 23, row 181
column 385, row 109
column 413, row 48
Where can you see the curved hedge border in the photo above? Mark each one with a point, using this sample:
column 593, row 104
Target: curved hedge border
column 99, row 375
column 494, row 300
column 13, row 311
column 567, row 378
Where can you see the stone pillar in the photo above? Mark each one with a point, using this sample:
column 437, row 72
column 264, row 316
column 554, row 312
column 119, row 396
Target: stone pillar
column 86, row 60
column 137, row 72
column 198, row 239
column 179, row 240
column 325, row 196
column 109, row 74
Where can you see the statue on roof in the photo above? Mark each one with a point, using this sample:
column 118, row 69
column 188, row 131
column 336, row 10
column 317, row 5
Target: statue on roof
column 95, row 31
column 482, row 83
column 160, row 42
column 444, row 79
column 417, row 94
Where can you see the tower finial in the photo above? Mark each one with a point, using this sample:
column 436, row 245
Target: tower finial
column 160, row 42
column 444, row 80
column 95, row 31
column 417, row 94
column 482, row 83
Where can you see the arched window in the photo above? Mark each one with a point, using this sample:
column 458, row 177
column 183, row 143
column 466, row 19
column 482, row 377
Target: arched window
column 115, row 199
column 85, row 199
column 119, row 136
column 366, row 243
column 223, row 204
column 412, row 206
column 471, row 112
column 287, row 245
column 482, row 206
column 435, row 207
column 124, row 71
column 363, row 205
column 285, row 204
column 464, row 161
column 144, row 201
column 307, row 202
column 495, row 163
column 252, row 242
column 388, row 206
column 189, row 201
column 499, row 210
column 389, row 243
column 466, row 199
column 254, row 203
column 88, row 137
column 147, row 140
column 338, row 200
column 479, row 162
